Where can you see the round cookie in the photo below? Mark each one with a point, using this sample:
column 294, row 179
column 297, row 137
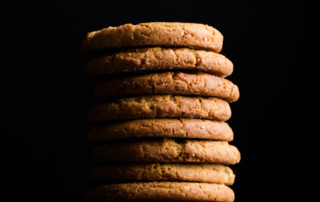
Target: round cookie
column 168, row 150
column 211, row 173
column 176, row 83
column 198, row 36
column 177, row 128
column 161, row 106
column 147, row 59
column 161, row 191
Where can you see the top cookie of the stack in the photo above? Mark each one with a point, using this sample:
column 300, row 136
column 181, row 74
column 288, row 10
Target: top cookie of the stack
column 169, row 34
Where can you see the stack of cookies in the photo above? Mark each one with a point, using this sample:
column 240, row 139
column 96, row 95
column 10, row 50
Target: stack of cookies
column 159, row 129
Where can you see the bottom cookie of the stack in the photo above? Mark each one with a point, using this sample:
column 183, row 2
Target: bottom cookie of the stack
column 159, row 191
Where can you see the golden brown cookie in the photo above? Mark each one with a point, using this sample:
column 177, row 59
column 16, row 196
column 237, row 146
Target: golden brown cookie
column 176, row 34
column 177, row 128
column 161, row 191
column 161, row 106
column 176, row 83
column 147, row 59
column 212, row 173
column 168, row 150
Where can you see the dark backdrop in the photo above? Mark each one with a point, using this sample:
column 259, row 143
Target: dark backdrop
column 45, row 97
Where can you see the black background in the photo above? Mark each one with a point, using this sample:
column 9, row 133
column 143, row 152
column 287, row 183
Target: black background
column 45, row 97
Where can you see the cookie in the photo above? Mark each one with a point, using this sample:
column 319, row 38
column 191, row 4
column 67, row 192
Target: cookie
column 168, row 150
column 161, row 106
column 147, row 59
column 211, row 173
column 161, row 191
column 198, row 36
column 177, row 128
column 176, row 83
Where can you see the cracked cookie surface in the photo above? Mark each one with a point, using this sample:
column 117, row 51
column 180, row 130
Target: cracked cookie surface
column 157, row 58
column 176, row 83
column 176, row 128
column 211, row 173
column 161, row 106
column 168, row 150
column 161, row 191
column 176, row 34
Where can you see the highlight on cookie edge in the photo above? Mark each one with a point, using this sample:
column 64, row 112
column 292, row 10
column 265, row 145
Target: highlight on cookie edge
column 86, row 47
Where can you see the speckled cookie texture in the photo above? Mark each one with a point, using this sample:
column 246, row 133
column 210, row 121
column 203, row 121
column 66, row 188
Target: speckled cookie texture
column 175, row 128
column 198, row 36
column 176, row 83
column 158, row 128
column 161, row 106
column 161, row 191
column 168, row 150
column 211, row 173
column 157, row 58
